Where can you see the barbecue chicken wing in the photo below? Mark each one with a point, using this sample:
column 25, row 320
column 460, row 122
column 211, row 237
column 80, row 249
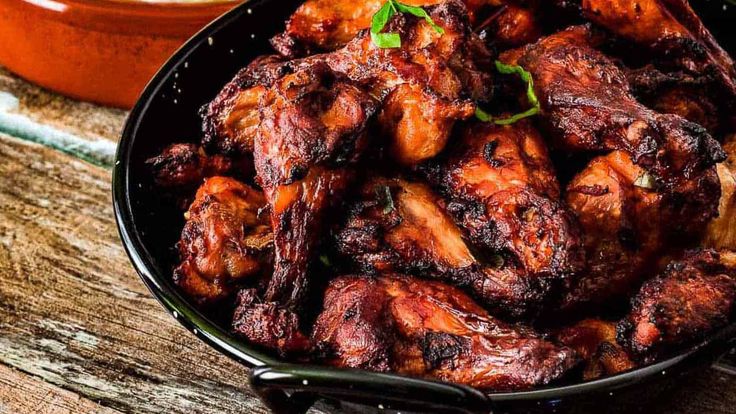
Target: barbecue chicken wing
column 672, row 30
column 429, row 329
column 503, row 191
column 594, row 340
column 425, row 86
column 721, row 231
column 312, row 130
column 183, row 166
column 225, row 240
column 397, row 225
column 587, row 105
column 511, row 25
column 692, row 298
column 322, row 25
column 626, row 223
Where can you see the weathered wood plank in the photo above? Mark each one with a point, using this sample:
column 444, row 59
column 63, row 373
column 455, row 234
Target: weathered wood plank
column 79, row 128
column 73, row 312
column 20, row 393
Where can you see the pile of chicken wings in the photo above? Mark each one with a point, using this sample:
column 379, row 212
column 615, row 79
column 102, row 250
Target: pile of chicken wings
column 386, row 208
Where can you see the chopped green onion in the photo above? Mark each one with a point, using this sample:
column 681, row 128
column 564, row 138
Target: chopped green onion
column 646, row 180
column 383, row 193
column 505, row 69
column 384, row 14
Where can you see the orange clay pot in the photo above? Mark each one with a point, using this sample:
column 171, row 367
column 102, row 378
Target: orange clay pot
column 103, row 51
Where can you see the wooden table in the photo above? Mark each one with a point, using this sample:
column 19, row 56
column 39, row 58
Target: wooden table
column 79, row 332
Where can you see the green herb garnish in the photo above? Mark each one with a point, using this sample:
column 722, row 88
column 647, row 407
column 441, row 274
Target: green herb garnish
column 388, row 10
column 383, row 193
column 505, row 69
column 325, row 260
column 646, row 180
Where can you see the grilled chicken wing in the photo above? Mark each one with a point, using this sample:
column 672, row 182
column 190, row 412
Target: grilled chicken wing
column 511, row 25
column 429, row 329
column 692, row 298
column 626, row 222
column 721, row 232
column 398, row 225
column 426, row 85
column 594, row 340
column 322, row 25
column 225, row 240
column 230, row 121
column 182, row 166
column 503, row 191
column 312, row 127
column 587, row 105
column 669, row 28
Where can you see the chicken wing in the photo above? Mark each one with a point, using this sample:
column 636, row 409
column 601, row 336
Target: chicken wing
column 312, row 127
column 671, row 29
column 397, row 225
column 502, row 189
column 587, row 105
column 429, row 329
column 225, row 240
column 690, row 299
column 322, row 25
column 721, row 232
column 594, row 340
column 183, row 166
column 626, row 223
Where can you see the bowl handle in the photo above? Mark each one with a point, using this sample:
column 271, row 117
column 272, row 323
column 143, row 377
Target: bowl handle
column 295, row 388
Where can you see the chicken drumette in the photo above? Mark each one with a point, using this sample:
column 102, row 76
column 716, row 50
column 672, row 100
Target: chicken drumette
column 225, row 241
column 503, row 191
column 429, row 329
column 312, row 130
column 398, row 225
column 690, row 299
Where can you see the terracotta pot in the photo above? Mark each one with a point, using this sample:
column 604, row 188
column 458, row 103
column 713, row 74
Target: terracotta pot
column 103, row 51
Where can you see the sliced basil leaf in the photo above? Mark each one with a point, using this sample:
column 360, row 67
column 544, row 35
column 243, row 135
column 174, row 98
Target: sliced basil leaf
column 505, row 69
column 384, row 14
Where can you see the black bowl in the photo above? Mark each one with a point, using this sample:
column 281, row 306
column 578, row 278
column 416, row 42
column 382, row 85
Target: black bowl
column 149, row 226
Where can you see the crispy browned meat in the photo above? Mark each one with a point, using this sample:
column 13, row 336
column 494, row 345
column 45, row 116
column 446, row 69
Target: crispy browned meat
column 398, row 225
column 429, row 329
column 587, row 105
column 225, row 240
column 594, row 340
column 690, row 97
column 231, row 120
column 690, row 299
column 511, row 25
column 626, row 222
column 187, row 165
column 312, row 128
column 669, row 28
column 268, row 325
column 324, row 25
column 503, row 191
column 427, row 84
column 721, row 232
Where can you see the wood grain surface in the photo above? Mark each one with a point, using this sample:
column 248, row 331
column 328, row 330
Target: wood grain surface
column 72, row 311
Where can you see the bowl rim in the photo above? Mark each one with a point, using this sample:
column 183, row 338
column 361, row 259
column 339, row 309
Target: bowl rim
column 202, row 327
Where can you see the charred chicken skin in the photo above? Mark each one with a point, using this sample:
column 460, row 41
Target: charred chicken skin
column 225, row 241
column 502, row 189
column 690, row 299
column 626, row 222
column 184, row 166
column 594, row 340
column 398, row 225
column 429, row 329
